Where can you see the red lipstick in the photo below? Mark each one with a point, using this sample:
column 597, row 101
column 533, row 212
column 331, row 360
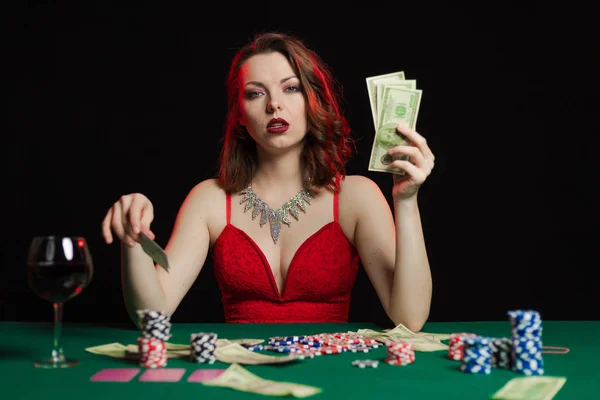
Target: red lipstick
column 277, row 125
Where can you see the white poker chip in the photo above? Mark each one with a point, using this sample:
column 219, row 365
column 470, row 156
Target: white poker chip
column 365, row 363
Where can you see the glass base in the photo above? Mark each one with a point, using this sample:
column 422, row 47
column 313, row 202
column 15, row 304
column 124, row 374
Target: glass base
column 52, row 363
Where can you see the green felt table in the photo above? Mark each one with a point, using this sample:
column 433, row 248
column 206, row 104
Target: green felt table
column 432, row 376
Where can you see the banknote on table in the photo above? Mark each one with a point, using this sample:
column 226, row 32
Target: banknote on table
column 398, row 106
column 238, row 378
column 220, row 343
column 402, row 331
column 174, row 350
column 421, row 341
column 115, row 350
column 227, row 352
column 530, row 388
column 243, row 342
column 235, row 353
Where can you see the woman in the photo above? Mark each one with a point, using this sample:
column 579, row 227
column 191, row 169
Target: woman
column 285, row 225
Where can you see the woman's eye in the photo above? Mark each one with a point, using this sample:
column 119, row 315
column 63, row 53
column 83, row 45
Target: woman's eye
column 293, row 89
column 252, row 94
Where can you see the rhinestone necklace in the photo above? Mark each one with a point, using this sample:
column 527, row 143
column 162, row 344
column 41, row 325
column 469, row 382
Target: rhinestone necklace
column 275, row 217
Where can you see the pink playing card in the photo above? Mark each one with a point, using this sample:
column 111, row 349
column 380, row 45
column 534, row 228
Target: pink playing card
column 115, row 375
column 201, row 375
column 162, row 375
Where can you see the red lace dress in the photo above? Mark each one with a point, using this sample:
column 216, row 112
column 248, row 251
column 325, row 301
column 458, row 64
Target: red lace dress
column 317, row 287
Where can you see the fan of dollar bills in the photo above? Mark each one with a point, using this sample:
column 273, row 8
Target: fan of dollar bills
column 394, row 100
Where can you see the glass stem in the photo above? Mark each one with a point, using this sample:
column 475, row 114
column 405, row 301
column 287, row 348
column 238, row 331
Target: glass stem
column 57, row 352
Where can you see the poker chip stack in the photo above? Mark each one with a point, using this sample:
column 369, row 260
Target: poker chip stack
column 502, row 352
column 156, row 328
column 477, row 355
column 526, row 342
column 456, row 345
column 203, row 346
column 400, row 353
column 153, row 352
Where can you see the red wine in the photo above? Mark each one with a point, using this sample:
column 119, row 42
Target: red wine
column 58, row 282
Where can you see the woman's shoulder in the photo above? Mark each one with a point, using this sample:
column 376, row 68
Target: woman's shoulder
column 356, row 184
column 359, row 191
column 207, row 192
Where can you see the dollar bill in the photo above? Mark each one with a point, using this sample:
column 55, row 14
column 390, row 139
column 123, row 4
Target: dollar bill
column 372, row 83
column 175, row 350
column 238, row 378
column 406, row 84
column 402, row 331
column 530, row 388
column 243, row 342
column 421, row 341
column 235, row 353
column 227, row 351
column 399, row 105
column 115, row 350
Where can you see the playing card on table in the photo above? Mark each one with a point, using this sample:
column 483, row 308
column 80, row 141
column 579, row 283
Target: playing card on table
column 155, row 251
column 162, row 375
column 115, row 375
column 202, row 375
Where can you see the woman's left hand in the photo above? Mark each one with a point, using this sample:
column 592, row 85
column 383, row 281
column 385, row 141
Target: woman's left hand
column 417, row 169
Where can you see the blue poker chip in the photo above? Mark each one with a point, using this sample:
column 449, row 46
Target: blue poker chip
column 310, row 343
column 476, row 369
column 477, row 355
column 281, row 349
column 285, row 340
column 281, row 342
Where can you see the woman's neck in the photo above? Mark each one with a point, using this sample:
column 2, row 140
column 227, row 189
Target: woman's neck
column 280, row 176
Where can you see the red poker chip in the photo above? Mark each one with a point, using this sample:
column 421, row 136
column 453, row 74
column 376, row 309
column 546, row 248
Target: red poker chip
column 399, row 362
column 456, row 345
column 324, row 350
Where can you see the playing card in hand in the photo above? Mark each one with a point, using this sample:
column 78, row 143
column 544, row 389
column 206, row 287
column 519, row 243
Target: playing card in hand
column 155, row 251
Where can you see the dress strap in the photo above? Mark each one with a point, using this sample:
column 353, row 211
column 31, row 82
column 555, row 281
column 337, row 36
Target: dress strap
column 228, row 206
column 335, row 200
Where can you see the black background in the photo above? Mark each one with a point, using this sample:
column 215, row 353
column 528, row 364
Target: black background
column 112, row 100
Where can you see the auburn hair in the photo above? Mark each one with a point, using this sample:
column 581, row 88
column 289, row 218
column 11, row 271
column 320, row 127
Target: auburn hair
column 327, row 144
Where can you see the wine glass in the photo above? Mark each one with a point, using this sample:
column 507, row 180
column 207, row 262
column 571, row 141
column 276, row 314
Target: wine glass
column 58, row 269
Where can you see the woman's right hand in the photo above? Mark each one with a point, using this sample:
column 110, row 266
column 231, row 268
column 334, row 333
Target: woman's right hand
column 130, row 215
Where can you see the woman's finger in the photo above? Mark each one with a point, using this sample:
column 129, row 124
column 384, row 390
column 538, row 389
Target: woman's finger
column 413, row 152
column 415, row 173
column 106, row 231
column 416, row 139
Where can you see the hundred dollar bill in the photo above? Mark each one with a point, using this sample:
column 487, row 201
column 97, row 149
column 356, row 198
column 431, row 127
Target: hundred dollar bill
column 174, row 350
column 421, row 341
column 372, row 83
column 530, row 388
column 115, row 350
column 238, row 378
column 235, row 353
column 406, row 84
column 227, row 352
column 398, row 106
